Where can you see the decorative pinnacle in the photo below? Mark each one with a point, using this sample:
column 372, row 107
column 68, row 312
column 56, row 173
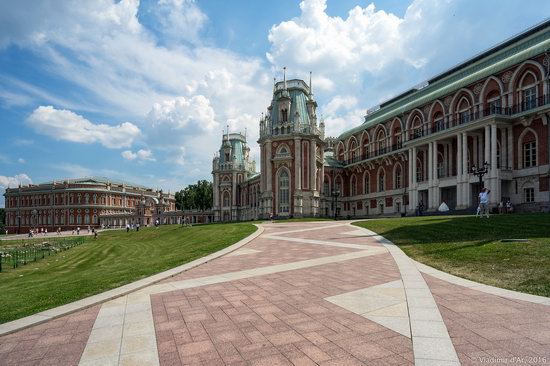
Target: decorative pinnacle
column 284, row 76
column 310, row 87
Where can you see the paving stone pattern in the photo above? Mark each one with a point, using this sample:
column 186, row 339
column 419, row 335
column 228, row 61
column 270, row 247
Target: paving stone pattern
column 317, row 293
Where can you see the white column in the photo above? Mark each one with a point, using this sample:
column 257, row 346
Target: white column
column 495, row 184
column 466, row 176
column 459, row 193
column 503, row 148
column 487, row 144
column 446, row 158
column 436, row 199
column 413, row 193
column 493, row 150
column 410, row 169
column 510, row 148
column 430, row 202
column 475, row 144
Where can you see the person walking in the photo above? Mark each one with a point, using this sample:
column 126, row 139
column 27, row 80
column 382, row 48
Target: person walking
column 484, row 202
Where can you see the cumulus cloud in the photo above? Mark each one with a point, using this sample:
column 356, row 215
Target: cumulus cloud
column 19, row 179
column 62, row 124
column 193, row 113
column 140, row 155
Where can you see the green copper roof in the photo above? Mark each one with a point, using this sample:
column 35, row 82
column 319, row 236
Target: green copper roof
column 298, row 103
column 238, row 144
column 522, row 47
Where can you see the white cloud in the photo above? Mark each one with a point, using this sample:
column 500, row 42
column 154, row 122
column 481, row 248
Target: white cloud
column 182, row 113
column 19, row 179
column 21, row 161
column 179, row 20
column 62, row 124
column 141, row 155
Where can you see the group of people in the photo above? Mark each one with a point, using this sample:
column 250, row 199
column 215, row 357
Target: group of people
column 483, row 208
column 131, row 227
column 40, row 231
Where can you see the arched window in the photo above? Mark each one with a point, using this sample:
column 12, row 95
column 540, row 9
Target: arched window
column 326, row 187
column 283, row 151
column 464, row 111
column 366, row 189
column 225, row 199
column 529, row 153
column 353, row 186
column 284, row 192
column 528, row 91
column 338, row 185
column 381, row 180
column 284, row 115
column 419, row 174
column 398, row 177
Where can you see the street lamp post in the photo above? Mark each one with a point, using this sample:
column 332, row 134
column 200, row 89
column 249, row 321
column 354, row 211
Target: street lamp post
column 335, row 195
column 480, row 172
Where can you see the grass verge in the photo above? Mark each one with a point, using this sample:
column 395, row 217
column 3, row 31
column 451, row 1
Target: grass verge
column 470, row 247
column 115, row 259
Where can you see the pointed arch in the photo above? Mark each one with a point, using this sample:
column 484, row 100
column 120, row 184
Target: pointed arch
column 458, row 95
column 283, row 195
column 381, row 179
column 529, row 64
column 484, row 91
column 397, row 176
column 353, row 185
column 415, row 112
column 365, row 143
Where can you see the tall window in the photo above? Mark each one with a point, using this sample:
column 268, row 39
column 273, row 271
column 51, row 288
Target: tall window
column 418, row 171
column 326, row 188
column 530, row 98
column 398, row 178
column 353, row 186
column 284, row 194
column 529, row 154
column 226, row 199
column 367, row 183
column 284, row 114
column 381, row 181
column 529, row 195
column 494, row 106
column 464, row 116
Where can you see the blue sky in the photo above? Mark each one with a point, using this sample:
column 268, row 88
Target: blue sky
column 141, row 91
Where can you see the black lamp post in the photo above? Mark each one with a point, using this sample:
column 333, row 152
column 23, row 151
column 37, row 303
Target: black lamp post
column 18, row 224
column 480, row 172
column 335, row 195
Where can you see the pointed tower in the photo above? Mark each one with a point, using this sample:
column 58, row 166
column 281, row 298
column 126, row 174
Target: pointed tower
column 291, row 151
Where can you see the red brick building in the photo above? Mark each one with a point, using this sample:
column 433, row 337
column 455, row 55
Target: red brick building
column 83, row 202
column 419, row 148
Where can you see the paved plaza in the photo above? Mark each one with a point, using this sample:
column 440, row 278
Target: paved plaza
column 325, row 293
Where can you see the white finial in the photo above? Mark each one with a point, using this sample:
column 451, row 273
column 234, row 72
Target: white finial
column 310, row 88
column 284, row 76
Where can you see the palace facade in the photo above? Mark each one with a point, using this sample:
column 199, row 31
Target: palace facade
column 85, row 202
column 489, row 113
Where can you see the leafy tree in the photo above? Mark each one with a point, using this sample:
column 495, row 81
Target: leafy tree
column 195, row 196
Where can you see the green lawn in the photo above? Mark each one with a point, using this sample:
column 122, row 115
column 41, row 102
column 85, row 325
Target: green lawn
column 115, row 259
column 470, row 247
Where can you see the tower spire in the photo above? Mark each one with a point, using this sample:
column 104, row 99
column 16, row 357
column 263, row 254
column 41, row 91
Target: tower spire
column 310, row 87
column 284, row 76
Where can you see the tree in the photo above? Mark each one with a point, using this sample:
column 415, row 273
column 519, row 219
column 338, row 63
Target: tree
column 195, row 196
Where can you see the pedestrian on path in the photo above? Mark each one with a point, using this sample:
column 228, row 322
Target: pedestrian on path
column 484, row 202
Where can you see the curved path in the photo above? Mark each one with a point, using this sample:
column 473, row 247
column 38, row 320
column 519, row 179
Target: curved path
column 309, row 293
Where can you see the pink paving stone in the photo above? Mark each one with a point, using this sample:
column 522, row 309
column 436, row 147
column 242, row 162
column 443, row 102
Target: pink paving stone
column 57, row 342
column 485, row 327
